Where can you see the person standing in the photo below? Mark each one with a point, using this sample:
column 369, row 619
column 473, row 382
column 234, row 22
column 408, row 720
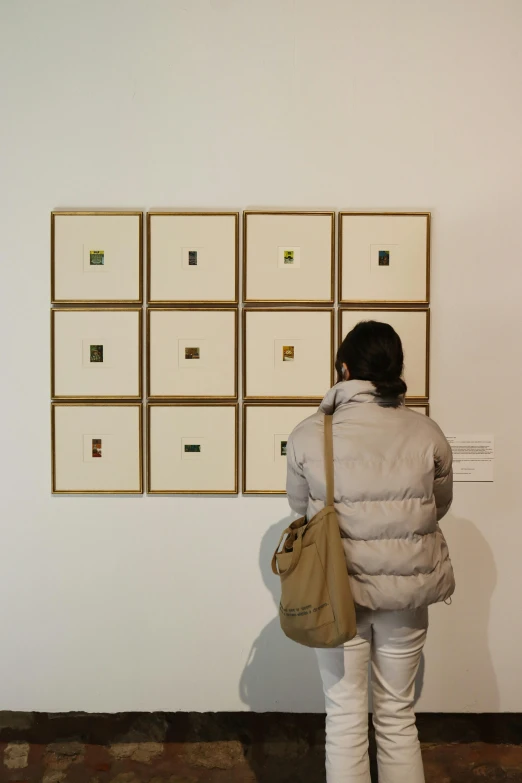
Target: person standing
column 393, row 483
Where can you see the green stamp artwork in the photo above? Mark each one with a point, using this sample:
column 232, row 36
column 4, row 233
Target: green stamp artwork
column 192, row 448
column 97, row 257
column 96, row 353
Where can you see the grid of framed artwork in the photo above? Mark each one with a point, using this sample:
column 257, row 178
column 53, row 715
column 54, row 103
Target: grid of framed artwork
column 200, row 353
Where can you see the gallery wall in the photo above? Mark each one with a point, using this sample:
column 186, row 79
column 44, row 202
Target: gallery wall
column 114, row 603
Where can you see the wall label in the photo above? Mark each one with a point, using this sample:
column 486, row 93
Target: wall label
column 473, row 457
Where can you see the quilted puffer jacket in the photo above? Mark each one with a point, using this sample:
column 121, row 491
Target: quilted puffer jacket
column 393, row 482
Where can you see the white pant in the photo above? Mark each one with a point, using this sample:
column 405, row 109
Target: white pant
column 393, row 642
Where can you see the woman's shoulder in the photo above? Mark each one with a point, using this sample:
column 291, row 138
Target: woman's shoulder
column 307, row 427
column 424, row 424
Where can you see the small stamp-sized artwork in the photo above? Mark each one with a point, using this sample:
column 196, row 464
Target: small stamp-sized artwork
column 384, row 258
column 192, row 448
column 96, row 448
column 96, row 258
column 288, row 353
column 288, row 257
column 192, row 353
column 192, row 257
column 96, row 354
column 280, row 447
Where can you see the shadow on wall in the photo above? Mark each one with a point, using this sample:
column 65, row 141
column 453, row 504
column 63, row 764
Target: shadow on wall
column 467, row 621
column 280, row 676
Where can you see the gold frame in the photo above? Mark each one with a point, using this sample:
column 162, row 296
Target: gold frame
column 92, row 398
column 199, row 404
column 65, row 213
column 380, row 302
column 395, row 309
column 198, row 302
column 419, row 405
column 316, row 302
column 247, row 405
column 55, row 405
column 234, row 310
column 257, row 398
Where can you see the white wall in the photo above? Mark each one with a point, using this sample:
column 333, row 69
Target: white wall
column 113, row 603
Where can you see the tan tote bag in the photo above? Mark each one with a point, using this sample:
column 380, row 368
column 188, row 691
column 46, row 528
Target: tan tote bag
column 316, row 607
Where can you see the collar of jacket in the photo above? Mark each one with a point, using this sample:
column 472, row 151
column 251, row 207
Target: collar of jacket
column 348, row 391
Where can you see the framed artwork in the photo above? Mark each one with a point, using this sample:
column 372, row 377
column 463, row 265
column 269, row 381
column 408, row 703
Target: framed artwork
column 384, row 257
column 193, row 257
column 288, row 257
column 287, row 354
column 192, row 353
column 266, row 429
column 96, row 353
column 413, row 327
column 192, row 449
column 97, row 448
column 423, row 409
column 97, row 257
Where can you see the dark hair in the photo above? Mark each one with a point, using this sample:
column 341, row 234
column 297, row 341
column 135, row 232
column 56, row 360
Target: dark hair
column 372, row 351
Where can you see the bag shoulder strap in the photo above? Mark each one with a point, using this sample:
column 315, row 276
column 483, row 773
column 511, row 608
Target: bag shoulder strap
column 328, row 459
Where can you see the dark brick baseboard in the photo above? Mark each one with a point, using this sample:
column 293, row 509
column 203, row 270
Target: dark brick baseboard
column 233, row 748
column 248, row 727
